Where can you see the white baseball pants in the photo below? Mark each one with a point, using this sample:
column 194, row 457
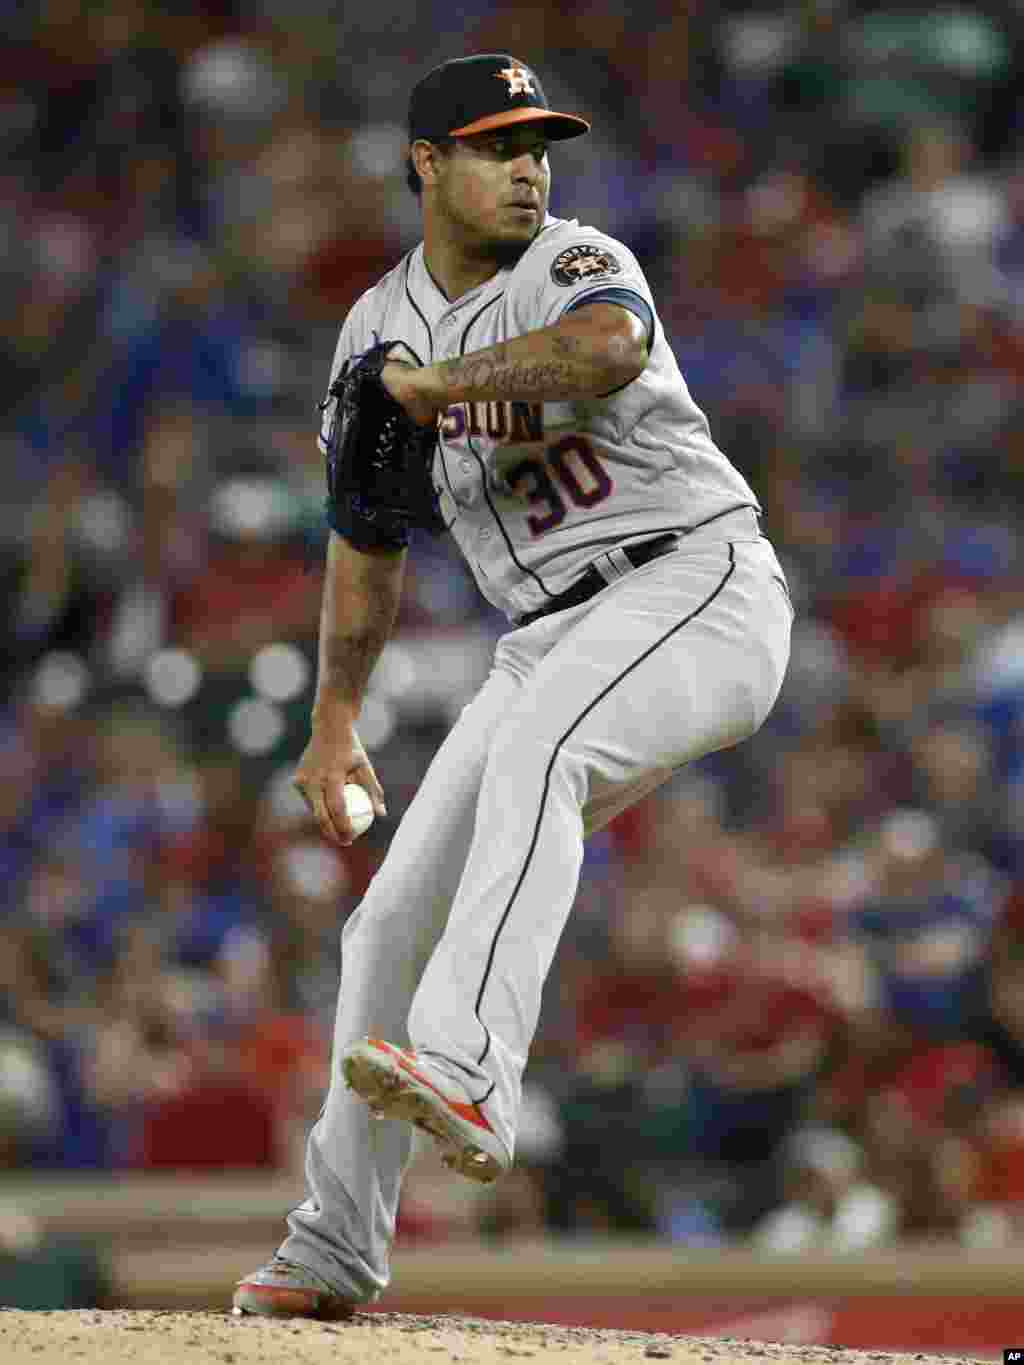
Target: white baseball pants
column 583, row 712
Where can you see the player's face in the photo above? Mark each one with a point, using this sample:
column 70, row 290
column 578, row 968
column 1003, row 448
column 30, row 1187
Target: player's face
column 493, row 190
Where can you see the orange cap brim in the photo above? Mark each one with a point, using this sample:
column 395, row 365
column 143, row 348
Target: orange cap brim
column 566, row 125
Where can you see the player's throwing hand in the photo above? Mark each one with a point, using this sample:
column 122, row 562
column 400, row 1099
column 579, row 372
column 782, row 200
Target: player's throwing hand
column 335, row 756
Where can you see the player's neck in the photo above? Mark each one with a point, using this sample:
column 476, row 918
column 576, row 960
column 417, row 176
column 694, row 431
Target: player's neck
column 454, row 272
column 459, row 264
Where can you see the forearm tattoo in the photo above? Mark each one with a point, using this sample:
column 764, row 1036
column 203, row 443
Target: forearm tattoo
column 494, row 373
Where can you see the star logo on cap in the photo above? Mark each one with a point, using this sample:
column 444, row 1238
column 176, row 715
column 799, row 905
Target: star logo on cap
column 519, row 82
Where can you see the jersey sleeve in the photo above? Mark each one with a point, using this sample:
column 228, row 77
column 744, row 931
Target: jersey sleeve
column 582, row 266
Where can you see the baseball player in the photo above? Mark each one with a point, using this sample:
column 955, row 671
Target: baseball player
column 649, row 625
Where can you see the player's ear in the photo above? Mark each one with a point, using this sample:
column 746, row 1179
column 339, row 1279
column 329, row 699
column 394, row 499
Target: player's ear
column 427, row 158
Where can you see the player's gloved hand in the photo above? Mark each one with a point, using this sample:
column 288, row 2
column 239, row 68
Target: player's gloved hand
column 334, row 756
column 380, row 454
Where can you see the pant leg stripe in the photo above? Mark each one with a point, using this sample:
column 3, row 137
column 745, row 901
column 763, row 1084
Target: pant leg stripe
column 547, row 784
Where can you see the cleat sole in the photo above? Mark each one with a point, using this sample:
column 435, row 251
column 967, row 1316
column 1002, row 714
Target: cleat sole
column 390, row 1097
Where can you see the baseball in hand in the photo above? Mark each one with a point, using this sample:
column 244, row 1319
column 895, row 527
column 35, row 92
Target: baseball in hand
column 358, row 808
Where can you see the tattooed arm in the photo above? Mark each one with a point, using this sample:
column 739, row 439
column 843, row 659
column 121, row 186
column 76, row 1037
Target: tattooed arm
column 360, row 601
column 592, row 350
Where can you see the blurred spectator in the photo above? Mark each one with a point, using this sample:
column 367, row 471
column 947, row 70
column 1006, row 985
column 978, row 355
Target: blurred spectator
column 987, row 1166
column 255, row 588
column 913, row 1124
column 829, row 1202
column 54, row 605
column 41, row 1271
column 757, row 1035
column 938, row 205
column 925, row 926
column 207, row 875
column 625, row 1019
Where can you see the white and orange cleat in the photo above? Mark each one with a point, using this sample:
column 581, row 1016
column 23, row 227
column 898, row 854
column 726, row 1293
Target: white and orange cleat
column 282, row 1289
column 398, row 1083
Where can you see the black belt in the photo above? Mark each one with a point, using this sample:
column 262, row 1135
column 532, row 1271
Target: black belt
column 591, row 582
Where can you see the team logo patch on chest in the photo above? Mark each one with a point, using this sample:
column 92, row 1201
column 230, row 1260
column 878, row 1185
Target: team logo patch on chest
column 583, row 262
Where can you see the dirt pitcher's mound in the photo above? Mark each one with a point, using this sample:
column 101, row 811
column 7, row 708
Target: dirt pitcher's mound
column 171, row 1338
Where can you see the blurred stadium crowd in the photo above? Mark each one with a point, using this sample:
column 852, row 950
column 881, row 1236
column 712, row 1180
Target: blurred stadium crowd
column 789, row 1007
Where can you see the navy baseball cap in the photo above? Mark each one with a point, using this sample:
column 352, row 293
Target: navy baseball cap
column 475, row 94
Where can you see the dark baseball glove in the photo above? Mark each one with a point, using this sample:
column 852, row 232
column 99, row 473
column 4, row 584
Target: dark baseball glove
column 379, row 462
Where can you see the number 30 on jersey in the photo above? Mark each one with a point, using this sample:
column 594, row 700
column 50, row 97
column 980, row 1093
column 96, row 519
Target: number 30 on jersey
column 570, row 473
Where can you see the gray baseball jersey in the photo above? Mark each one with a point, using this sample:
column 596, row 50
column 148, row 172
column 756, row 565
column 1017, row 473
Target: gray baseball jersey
column 534, row 493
